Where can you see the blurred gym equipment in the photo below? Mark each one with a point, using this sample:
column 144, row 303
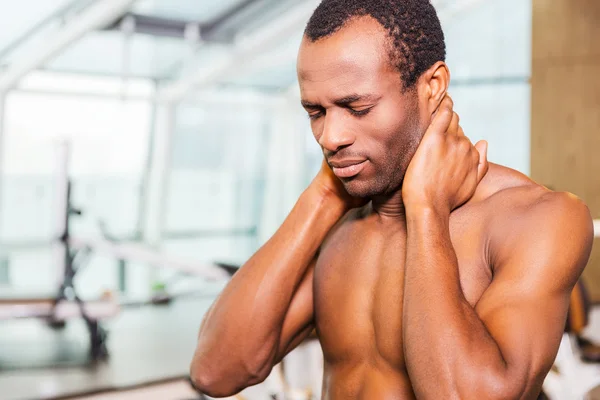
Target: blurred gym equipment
column 71, row 254
column 169, row 389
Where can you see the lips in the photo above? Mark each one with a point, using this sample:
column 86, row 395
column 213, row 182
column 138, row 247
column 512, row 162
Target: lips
column 347, row 168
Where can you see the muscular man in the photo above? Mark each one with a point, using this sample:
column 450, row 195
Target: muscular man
column 427, row 272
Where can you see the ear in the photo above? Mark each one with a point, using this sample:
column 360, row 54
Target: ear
column 435, row 82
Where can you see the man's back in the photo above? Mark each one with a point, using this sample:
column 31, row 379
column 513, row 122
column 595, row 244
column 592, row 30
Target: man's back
column 359, row 282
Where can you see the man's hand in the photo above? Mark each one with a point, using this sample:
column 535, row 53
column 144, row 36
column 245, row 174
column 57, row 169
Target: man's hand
column 328, row 184
column 446, row 168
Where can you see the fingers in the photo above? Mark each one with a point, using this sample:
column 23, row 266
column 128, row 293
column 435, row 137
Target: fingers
column 443, row 116
column 454, row 125
column 445, row 120
column 482, row 168
column 446, row 96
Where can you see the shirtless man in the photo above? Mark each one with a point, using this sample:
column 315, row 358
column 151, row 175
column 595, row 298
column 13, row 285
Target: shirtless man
column 427, row 272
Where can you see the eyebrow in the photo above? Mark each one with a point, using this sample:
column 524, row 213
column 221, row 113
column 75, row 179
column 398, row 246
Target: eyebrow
column 307, row 104
column 353, row 98
column 344, row 101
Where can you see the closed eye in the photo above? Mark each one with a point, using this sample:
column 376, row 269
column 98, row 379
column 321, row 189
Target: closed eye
column 360, row 113
column 315, row 112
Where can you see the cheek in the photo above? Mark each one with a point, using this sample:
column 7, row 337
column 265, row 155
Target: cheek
column 399, row 138
column 398, row 147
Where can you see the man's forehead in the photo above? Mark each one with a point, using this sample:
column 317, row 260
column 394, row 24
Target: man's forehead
column 355, row 52
column 336, row 72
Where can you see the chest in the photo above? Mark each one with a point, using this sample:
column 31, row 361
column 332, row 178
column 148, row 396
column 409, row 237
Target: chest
column 359, row 289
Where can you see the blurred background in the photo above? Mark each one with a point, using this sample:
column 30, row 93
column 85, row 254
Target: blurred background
column 184, row 134
column 185, row 125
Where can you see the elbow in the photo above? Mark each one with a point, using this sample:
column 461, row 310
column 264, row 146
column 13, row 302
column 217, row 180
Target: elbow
column 506, row 391
column 491, row 386
column 208, row 384
column 508, row 384
column 499, row 391
column 207, row 378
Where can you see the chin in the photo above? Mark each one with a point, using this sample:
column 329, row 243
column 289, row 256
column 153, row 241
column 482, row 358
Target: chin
column 369, row 188
column 361, row 189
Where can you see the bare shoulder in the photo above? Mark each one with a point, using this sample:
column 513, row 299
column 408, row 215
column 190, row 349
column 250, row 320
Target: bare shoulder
column 532, row 223
column 518, row 203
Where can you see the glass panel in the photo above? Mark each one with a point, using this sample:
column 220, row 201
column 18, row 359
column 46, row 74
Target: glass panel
column 142, row 55
column 115, row 53
column 217, row 167
column 264, row 12
column 21, row 16
column 187, row 10
column 32, row 272
column 28, row 203
column 216, row 184
column 4, row 272
column 107, row 134
column 490, row 76
column 499, row 114
column 490, row 39
column 207, row 250
column 61, row 83
column 108, row 138
column 111, row 53
column 278, row 63
column 272, row 71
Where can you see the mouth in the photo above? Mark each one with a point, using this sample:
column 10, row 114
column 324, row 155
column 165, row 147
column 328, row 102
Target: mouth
column 347, row 169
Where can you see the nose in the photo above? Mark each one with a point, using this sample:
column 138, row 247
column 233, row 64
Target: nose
column 335, row 135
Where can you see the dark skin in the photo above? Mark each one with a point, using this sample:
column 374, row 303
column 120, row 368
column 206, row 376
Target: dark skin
column 429, row 273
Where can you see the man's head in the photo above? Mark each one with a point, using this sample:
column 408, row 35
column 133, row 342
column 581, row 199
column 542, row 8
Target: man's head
column 371, row 75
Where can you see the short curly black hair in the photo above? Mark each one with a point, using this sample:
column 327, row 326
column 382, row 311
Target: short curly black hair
column 414, row 28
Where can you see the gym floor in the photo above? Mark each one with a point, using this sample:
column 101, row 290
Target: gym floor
column 146, row 344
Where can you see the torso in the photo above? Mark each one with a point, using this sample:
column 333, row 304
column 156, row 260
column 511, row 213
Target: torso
column 358, row 294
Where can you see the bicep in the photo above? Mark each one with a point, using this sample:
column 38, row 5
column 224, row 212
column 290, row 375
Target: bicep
column 527, row 325
column 525, row 307
column 299, row 319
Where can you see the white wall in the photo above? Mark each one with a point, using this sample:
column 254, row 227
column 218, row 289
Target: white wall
column 488, row 52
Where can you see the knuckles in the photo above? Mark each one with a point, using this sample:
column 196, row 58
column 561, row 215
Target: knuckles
column 465, row 145
column 448, row 103
column 456, row 117
column 446, row 113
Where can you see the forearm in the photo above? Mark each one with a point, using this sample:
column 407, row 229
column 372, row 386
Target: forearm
column 445, row 341
column 244, row 324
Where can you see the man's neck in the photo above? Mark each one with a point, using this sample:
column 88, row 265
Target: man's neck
column 389, row 206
